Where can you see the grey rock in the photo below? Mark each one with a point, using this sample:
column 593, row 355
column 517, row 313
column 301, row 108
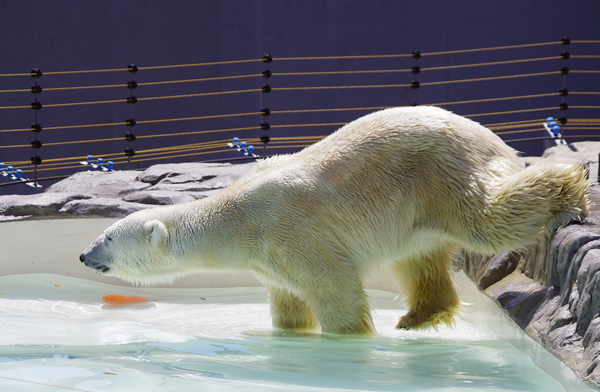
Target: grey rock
column 100, row 207
column 161, row 197
column 37, row 205
column 118, row 193
column 221, row 174
column 561, row 306
column 498, row 268
column 96, row 183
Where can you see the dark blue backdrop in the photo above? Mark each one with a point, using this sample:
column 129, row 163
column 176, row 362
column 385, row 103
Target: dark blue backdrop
column 62, row 35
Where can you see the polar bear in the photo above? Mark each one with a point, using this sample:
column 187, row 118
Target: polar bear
column 402, row 187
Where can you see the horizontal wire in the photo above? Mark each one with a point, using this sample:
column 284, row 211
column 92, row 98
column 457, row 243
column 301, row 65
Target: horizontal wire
column 537, row 124
column 488, row 64
column 494, row 99
column 491, row 48
column 511, row 112
column 513, row 122
column 142, row 84
column 197, row 80
column 584, row 92
column 490, row 78
column 585, row 56
column 337, row 87
column 139, row 68
column 139, row 99
column 329, row 110
column 200, row 94
column 519, row 131
column 307, row 125
column 197, row 118
column 315, row 73
column 585, row 41
column 422, row 84
column 576, row 71
column 58, row 105
column 581, row 128
column 200, row 64
column 376, row 56
column 592, row 120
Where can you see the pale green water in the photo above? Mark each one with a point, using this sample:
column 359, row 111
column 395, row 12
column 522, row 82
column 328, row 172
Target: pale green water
column 54, row 338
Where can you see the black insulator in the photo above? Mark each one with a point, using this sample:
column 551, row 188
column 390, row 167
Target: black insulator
column 37, row 128
column 36, row 105
column 266, row 88
column 131, row 84
column 131, row 99
column 129, row 137
column 267, row 58
column 565, row 55
column 265, row 139
column 36, row 160
column 415, row 84
column 265, row 126
column 564, row 70
column 36, row 73
column 36, row 88
column 563, row 106
column 414, row 104
column 36, row 144
column 416, row 69
column 266, row 73
column 562, row 120
column 132, row 68
column 416, row 54
column 564, row 92
column 565, row 40
column 129, row 152
column 265, row 112
column 130, row 122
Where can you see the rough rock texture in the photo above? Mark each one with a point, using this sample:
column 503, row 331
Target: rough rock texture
column 551, row 289
column 119, row 193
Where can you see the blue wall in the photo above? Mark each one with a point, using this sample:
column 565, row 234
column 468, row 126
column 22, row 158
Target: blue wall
column 63, row 35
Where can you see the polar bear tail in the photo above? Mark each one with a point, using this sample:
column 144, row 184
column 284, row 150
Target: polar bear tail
column 543, row 197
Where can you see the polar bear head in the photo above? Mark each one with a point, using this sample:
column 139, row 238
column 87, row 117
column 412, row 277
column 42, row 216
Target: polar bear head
column 134, row 249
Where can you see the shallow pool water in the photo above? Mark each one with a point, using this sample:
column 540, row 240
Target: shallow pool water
column 57, row 334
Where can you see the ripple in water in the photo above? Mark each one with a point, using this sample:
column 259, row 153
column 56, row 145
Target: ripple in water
column 221, row 340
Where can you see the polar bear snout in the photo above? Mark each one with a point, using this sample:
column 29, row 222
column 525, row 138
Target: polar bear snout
column 95, row 257
column 100, row 268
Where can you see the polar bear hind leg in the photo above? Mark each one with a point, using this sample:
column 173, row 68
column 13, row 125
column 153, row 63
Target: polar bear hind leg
column 428, row 289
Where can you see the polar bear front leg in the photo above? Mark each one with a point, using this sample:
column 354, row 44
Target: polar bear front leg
column 427, row 287
column 341, row 306
column 289, row 311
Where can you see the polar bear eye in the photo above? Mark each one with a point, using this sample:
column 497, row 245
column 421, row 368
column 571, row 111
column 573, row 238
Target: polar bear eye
column 108, row 238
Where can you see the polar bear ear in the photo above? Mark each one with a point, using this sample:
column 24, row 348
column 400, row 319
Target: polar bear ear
column 157, row 232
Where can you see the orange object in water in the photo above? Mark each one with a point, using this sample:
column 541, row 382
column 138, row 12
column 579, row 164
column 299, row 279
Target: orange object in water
column 122, row 300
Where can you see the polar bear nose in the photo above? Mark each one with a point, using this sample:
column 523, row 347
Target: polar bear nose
column 82, row 258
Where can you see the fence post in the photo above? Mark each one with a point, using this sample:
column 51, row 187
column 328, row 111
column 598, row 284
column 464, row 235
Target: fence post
column 36, row 127
column 415, row 83
column 265, row 126
column 563, row 106
column 130, row 122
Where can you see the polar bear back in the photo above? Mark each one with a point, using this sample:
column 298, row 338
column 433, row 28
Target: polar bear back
column 385, row 186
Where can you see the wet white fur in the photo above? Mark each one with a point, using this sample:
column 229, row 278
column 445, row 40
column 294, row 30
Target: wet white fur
column 401, row 187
